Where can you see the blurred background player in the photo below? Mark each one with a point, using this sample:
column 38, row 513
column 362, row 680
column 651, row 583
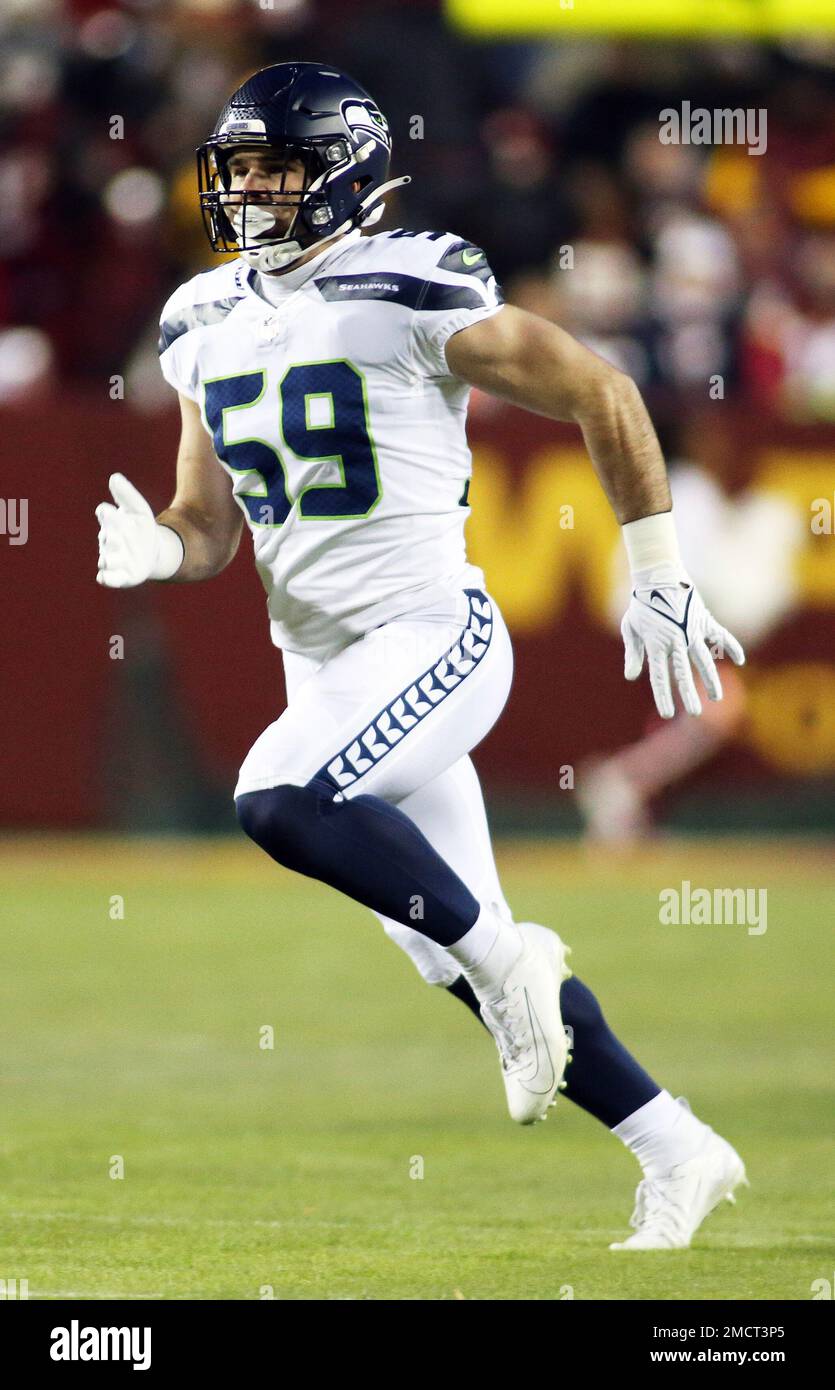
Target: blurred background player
column 741, row 550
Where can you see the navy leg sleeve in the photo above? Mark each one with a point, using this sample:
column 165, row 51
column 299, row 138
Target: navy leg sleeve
column 603, row 1077
column 365, row 848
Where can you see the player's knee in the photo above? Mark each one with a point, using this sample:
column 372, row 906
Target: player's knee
column 275, row 818
column 256, row 813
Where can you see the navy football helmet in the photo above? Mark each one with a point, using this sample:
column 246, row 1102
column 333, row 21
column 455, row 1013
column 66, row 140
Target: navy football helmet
column 308, row 115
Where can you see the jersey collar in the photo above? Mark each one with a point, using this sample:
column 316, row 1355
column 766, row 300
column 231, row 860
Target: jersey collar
column 248, row 279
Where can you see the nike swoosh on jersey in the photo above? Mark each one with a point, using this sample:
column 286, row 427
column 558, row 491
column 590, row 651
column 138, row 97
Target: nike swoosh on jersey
column 465, row 259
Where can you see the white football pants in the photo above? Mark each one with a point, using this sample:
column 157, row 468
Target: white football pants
column 395, row 714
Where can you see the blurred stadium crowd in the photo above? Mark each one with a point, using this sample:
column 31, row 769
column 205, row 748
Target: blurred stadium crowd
column 685, row 261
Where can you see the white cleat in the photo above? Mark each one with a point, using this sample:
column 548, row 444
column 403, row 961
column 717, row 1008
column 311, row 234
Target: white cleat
column 670, row 1209
column 526, row 1022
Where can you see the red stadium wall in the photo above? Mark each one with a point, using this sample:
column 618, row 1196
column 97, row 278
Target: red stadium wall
column 198, row 680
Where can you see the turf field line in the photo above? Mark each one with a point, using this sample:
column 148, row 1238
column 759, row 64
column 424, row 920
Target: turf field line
column 582, row 1235
column 104, row 1219
column 110, row 1294
column 711, row 1241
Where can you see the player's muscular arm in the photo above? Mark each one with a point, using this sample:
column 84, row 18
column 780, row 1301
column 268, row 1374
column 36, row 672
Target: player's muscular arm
column 194, row 538
column 536, row 365
column 203, row 511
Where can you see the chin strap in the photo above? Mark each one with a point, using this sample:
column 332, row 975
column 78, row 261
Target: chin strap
column 367, row 219
column 274, row 257
column 281, row 256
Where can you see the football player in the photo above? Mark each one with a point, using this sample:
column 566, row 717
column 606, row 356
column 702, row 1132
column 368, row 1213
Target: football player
column 323, row 377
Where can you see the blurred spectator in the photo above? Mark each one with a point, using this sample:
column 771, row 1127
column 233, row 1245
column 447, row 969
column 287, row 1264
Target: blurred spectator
column 678, row 262
column 753, row 585
column 789, row 342
column 519, row 212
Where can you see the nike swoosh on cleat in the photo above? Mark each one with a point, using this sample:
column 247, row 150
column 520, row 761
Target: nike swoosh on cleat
column 470, row 257
column 538, row 1039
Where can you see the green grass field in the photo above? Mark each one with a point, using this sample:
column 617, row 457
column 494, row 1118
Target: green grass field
column 290, row 1168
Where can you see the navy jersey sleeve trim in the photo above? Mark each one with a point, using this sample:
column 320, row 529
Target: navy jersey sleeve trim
column 465, row 258
column 409, row 290
column 194, row 316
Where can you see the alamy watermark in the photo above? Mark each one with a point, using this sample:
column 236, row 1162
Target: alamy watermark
column 686, row 906
column 81, row 1343
column 823, row 511
column 737, row 125
column 14, row 1288
column 14, row 519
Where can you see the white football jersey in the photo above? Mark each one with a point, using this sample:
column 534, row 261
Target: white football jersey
column 332, row 409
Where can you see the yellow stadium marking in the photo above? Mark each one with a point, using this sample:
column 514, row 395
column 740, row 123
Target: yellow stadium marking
column 758, row 18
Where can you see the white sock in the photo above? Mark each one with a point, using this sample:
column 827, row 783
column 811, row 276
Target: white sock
column 661, row 1134
column 487, row 952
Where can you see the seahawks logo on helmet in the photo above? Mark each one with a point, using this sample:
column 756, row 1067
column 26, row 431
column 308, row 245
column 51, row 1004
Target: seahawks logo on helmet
column 363, row 116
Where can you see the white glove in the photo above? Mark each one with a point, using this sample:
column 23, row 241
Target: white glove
column 667, row 620
column 133, row 546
